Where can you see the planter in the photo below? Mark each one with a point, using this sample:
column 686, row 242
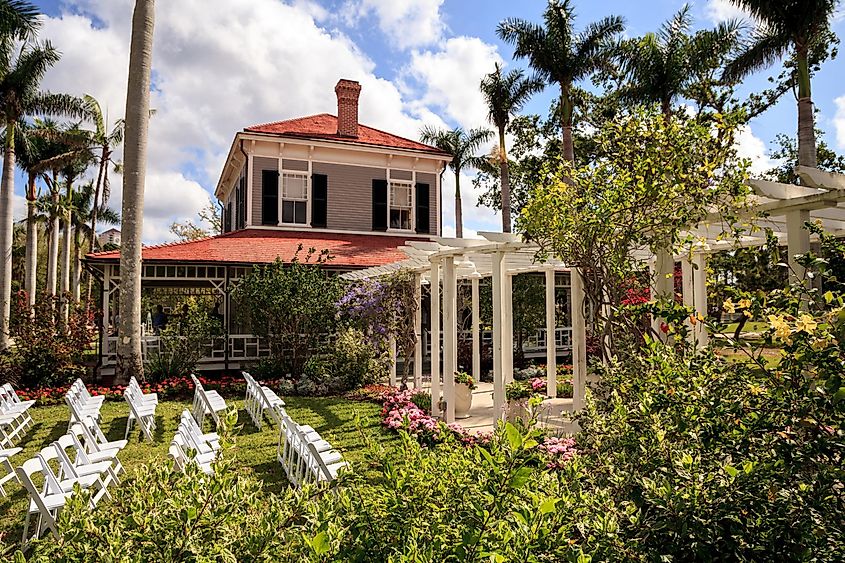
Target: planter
column 463, row 400
column 517, row 410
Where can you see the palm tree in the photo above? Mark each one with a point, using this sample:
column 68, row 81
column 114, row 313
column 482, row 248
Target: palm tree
column 461, row 146
column 18, row 22
column 30, row 157
column 71, row 172
column 105, row 142
column 505, row 95
column 802, row 27
column 560, row 56
column 129, row 359
column 82, row 209
column 661, row 66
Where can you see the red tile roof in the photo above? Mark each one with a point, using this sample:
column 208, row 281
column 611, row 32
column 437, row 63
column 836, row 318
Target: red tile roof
column 261, row 246
column 324, row 126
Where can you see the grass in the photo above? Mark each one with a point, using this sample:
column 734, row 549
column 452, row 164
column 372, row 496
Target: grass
column 254, row 450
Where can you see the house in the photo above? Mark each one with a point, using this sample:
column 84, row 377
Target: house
column 323, row 181
column 111, row 236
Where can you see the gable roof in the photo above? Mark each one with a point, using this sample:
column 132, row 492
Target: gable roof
column 263, row 246
column 324, row 126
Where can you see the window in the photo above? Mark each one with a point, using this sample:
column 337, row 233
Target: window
column 401, row 205
column 294, row 198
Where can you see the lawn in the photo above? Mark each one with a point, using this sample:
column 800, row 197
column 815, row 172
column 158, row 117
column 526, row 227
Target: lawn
column 254, row 450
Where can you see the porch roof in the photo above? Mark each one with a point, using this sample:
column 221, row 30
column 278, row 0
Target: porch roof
column 262, row 246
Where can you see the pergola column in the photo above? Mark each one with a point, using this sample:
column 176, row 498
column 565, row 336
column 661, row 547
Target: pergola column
column 418, row 351
column 695, row 296
column 476, row 331
column 393, row 359
column 663, row 281
column 551, row 349
column 450, row 336
column 498, row 375
column 579, row 340
column 798, row 242
column 507, row 325
column 435, row 337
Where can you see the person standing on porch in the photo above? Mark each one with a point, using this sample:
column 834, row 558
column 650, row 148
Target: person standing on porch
column 159, row 319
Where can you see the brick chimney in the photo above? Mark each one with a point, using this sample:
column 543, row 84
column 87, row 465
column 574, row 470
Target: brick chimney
column 347, row 107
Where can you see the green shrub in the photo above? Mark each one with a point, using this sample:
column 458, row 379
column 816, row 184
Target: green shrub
column 423, row 400
column 182, row 343
column 356, row 361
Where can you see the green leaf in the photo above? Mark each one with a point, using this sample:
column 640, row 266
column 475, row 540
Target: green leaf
column 513, row 435
column 520, row 477
column 548, row 506
column 732, row 471
column 320, row 543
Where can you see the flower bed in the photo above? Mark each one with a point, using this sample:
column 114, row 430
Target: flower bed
column 399, row 413
column 174, row 388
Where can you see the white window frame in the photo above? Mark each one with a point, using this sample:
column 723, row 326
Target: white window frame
column 411, row 210
column 307, row 198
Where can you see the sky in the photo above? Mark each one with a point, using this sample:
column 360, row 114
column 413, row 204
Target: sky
column 222, row 65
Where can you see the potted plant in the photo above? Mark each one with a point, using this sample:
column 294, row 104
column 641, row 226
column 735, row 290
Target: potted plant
column 464, row 384
column 517, row 394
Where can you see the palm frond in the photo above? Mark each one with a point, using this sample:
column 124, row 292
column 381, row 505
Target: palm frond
column 19, row 19
column 767, row 45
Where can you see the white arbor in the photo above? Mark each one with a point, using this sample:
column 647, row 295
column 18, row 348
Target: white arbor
column 499, row 256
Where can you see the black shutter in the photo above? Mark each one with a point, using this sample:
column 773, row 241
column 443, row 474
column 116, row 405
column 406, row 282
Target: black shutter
column 319, row 200
column 269, row 197
column 423, row 206
column 379, row 205
column 227, row 221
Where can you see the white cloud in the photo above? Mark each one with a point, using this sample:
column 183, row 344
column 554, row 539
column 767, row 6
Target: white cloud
column 753, row 148
column 407, row 23
column 450, row 78
column 839, row 121
column 480, row 218
column 218, row 66
column 718, row 11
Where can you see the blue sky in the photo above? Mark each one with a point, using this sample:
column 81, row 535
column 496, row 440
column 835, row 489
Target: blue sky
column 221, row 65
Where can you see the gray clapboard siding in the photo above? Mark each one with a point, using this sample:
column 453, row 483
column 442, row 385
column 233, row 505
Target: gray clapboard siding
column 434, row 215
column 350, row 194
column 260, row 163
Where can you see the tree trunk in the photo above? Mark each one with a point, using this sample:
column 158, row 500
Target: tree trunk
column 31, row 274
column 53, row 250
column 504, row 173
column 66, row 244
column 7, row 191
column 129, row 360
column 566, row 123
column 104, row 157
column 806, row 119
column 76, row 270
column 459, row 214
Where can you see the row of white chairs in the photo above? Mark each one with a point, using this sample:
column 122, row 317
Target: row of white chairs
column 259, row 400
column 92, row 464
column 15, row 419
column 142, row 409
column 206, row 403
column 82, row 404
column 305, row 456
column 191, row 445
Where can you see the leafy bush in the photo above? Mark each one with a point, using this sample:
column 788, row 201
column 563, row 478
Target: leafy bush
column 48, row 352
column 356, row 362
column 182, row 344
column 422, row 400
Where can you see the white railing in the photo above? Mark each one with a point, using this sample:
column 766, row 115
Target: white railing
column 534, row 344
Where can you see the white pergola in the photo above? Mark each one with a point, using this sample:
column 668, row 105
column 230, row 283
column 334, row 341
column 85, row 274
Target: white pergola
column 783, row 208
column 499, row 256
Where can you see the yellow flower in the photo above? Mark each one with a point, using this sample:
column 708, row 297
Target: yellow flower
column 729, row 306
column 780, row 326
column 744, row 303
column 806, row 323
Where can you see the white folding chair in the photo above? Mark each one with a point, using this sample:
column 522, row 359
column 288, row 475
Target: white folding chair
column 206, row 402
column 211, row 438
column 10, row 471
column 182, row 452
column 78, row 468
column 46, row 505
column 144, row 414
column 323, row 466
column 138, row 394
column 95, row 440
column 10, row 403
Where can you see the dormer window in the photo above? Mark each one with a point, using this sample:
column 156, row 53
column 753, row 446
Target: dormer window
column 401, row 205
column 294, row 198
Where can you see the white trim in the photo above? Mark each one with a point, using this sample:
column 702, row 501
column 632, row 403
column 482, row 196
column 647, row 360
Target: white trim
column 249, row 186
column 294, row 228
column 307, row 177
column 411, row 218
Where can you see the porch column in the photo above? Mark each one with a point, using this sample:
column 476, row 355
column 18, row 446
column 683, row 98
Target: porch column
column 662, row 286
column 498, row 374
column 798, row 242
column 393, row 359
column 435, row 337
column 689, row 294
column 476, row 332
column 507, row 324
column 450, row 335
column 579, row 340
column 699, row 285
column 551, row 348
column 418, row 350
column 104, row 349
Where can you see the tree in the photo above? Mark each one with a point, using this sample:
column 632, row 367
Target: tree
column 630, row 198
column 19, row 78
column 802, row 28
column 129, row 360
column 82, row 210
column 30, row 159
column 211, row 224
column 661, row 67
column 561, row 56
column 505, row 96
column 461, row 146
column 787, row 154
